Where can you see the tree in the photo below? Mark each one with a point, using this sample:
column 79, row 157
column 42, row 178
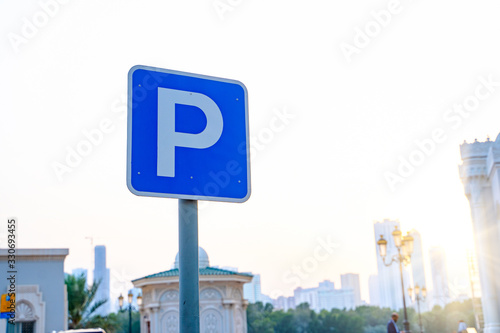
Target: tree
column 303, row 317
column 110, row 323
column 258, row 318
column 283, row 321
column 81, row 305
column 122, row 321
column 364, row 319
column 374, row 316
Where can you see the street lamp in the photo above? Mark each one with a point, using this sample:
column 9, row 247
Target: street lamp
column 130, row 298
column 418, row 292
column 404, row 245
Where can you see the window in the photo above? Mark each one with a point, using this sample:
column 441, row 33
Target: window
column 22, row 327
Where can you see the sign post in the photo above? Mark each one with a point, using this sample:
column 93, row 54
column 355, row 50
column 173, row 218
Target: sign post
column 189, row 301
column 187, row 139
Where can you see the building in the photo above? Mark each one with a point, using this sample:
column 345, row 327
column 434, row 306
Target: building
column 222, row 306
column 480, row 175
column 102, row 276
column 252, row 291
column 440, row 290
column 389, row 278
column 475, row 290
column 41, row 298
column 418, row 267
column 373, row 287
column 351, row 281
column 336, row 299
column 307, row 295
column 284, row 303
column 325, row 297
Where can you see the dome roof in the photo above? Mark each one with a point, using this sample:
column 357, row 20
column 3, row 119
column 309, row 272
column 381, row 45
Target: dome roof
column 203, row 261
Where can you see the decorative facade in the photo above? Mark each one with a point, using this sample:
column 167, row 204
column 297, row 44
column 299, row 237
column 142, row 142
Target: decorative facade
column 222, row 306
column 41, row 298
column 480, row 174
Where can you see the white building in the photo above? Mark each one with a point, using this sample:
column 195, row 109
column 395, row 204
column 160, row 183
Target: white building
column 41, row 297
column 389, row 278
column 418, row 267
column 351, row 281
column 336, row 299
column 308, row 295
column 480, row 174
column 373, row 287
column 101, row 275
column 440, row 288
column 284, row 303
column 252, row 290
column 222, row 306
column 325, row 296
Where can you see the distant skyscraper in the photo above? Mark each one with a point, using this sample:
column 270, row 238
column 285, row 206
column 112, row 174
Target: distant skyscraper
column 331, row 298
column 284, row 303
column 252, row 290
column 351, row 281
column 374, row 287
column 101, row 274
column 389, row 278
column 417, row 265
column 325, row 296
column 309, row 296
column 440, row 290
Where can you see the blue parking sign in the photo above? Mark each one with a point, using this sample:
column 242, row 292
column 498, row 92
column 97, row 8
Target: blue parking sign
column 187, row 136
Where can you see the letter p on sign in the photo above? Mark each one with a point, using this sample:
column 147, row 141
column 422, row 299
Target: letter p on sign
column 182, row 129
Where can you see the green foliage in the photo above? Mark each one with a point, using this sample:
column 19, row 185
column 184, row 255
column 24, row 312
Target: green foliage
column 122, row 321
column 81, row 307
column 301, row 320
column 109, row 324
column 258, row 318
column 446, row 319
column 373, row 315
column 365, row 319
column 116, row 322
column 283, row 321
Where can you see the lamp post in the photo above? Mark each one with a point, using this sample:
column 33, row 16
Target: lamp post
column 418, row 292
column 130, row 298
column 404, row 245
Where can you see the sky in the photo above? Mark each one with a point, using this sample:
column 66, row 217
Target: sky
column 372, row 99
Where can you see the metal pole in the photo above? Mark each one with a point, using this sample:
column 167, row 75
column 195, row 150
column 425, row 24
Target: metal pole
column 130, row 318
column 419, row 317
column 405, row 323
column 189, row 302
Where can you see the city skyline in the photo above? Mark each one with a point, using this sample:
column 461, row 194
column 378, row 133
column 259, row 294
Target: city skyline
column 337, row 142
column 416, row 271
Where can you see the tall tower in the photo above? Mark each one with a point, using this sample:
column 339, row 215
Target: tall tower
column 101, row 274
column 390, row 289
column 252, row 290
column 480, row 174
column 373, row 287
column 351, row 281
column 440, row 290
column 417, row 265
